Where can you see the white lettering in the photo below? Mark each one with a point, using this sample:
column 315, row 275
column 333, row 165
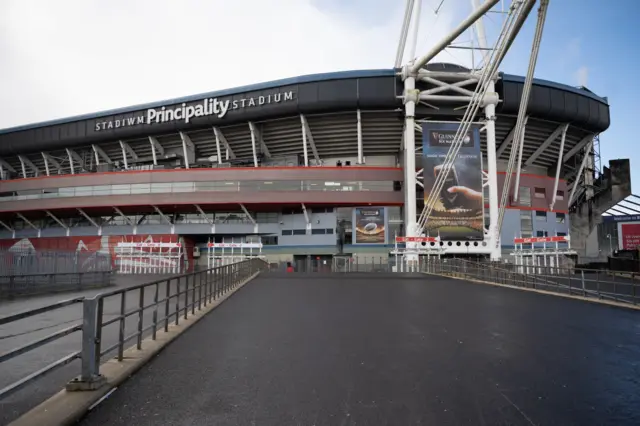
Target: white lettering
column 189, row 112
column 224, row 107
column 185, row 112
column 151, row 115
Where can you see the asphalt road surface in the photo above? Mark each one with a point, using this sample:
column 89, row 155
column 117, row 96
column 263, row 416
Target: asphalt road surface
column 381, row 349
column 22, row 332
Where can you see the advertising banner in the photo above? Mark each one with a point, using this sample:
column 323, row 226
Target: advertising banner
column 629, row 236
column 458, row 212
column 369, row 225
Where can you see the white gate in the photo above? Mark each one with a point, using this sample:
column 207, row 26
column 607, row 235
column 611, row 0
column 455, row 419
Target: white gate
column 544, row 255
column 226, row 253
column 149, row 258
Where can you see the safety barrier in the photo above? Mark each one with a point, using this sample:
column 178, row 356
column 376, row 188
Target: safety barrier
column 151, row 307
column 155, row 306
column 590, row 283
column 32, row 284
column 24, row 261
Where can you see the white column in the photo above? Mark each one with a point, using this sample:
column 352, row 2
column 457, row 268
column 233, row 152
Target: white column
column 410, row 211
column 304, row 141
column 360, row 155
column 492, row 166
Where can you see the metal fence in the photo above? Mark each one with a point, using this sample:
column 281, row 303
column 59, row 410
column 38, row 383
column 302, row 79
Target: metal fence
column 33, row 284
column 111, row 320
column 29, row 262
column 591, row 283
column 337, row 264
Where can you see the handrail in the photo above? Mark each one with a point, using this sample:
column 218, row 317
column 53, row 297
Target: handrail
column 14, row 387
column 574, row 281
column 182, row 296
column 157, row 305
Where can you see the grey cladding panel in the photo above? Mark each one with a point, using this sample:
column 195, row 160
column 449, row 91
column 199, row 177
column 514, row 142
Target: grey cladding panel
column 376, row 92
column 312, row 97
column 555, row 104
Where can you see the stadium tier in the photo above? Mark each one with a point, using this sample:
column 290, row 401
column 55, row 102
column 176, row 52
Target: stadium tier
column 306, row 166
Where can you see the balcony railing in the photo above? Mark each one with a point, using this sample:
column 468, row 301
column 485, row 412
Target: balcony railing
column 218, row 186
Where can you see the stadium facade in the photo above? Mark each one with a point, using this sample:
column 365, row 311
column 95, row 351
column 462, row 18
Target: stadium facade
column 309, row 166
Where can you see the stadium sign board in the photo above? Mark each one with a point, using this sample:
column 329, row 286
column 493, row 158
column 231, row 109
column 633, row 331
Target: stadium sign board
column 187, row 111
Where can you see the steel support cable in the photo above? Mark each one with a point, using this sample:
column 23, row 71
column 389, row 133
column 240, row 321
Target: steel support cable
column 524, row 103
column 507, row 34
column 404, row 31
column 470, row 112
column 510, row 30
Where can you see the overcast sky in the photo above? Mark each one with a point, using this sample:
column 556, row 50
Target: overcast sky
column 69, row 57
column 60, row 58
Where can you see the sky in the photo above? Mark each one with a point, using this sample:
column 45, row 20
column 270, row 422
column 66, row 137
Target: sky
column 70, row 57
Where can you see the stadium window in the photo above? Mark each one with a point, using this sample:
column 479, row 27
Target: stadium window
column 287, row 232
column 540, row 193
column 559, row 195
column 299, row 232
column 315, row 231
column 526, row 224
column 561, row 234
column 270, row 240
column 541, row 216
column 329, row 231
column 560, row 217
column 542, row 234
column 525, row 196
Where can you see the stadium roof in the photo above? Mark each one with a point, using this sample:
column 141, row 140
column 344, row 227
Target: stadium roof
column 280, row 83
column 628, row 207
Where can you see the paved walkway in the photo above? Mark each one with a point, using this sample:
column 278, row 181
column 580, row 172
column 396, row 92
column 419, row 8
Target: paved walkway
column 385, row 350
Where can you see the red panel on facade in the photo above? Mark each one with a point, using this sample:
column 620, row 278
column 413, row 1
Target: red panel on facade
column 630, row 236
column 104, row 244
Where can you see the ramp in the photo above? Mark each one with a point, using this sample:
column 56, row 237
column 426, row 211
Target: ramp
column 372, row 349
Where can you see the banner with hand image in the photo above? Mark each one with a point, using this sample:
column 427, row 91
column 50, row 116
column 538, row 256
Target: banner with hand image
column 369, row 225
column 459, row 210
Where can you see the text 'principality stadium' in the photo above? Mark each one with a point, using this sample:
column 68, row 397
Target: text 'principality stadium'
column 315, row 169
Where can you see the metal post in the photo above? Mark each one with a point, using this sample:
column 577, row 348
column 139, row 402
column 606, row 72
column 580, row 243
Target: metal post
column 166, row 305
column 140, row 318
column 155, row 311
column 90, row 378
column 123, row 307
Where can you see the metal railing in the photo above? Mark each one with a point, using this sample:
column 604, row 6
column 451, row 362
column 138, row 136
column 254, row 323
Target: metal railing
column 343, row 264
column 27, row 261
column 32, row 284
column 150, row 308
column 590, row 283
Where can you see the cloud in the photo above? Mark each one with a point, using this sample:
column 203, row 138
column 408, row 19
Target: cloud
column 72, row 57
column 582, row 76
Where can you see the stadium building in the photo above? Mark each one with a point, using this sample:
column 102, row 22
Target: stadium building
column 306, row 167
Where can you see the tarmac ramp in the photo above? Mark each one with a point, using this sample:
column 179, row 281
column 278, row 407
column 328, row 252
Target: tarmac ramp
column 385, row 349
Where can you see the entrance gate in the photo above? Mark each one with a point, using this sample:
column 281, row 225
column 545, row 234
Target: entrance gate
column 149, row 258
column 428, row 250
column 226, row 253
column 545, row 253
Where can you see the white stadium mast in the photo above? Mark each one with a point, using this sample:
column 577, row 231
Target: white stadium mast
column 483, row 96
